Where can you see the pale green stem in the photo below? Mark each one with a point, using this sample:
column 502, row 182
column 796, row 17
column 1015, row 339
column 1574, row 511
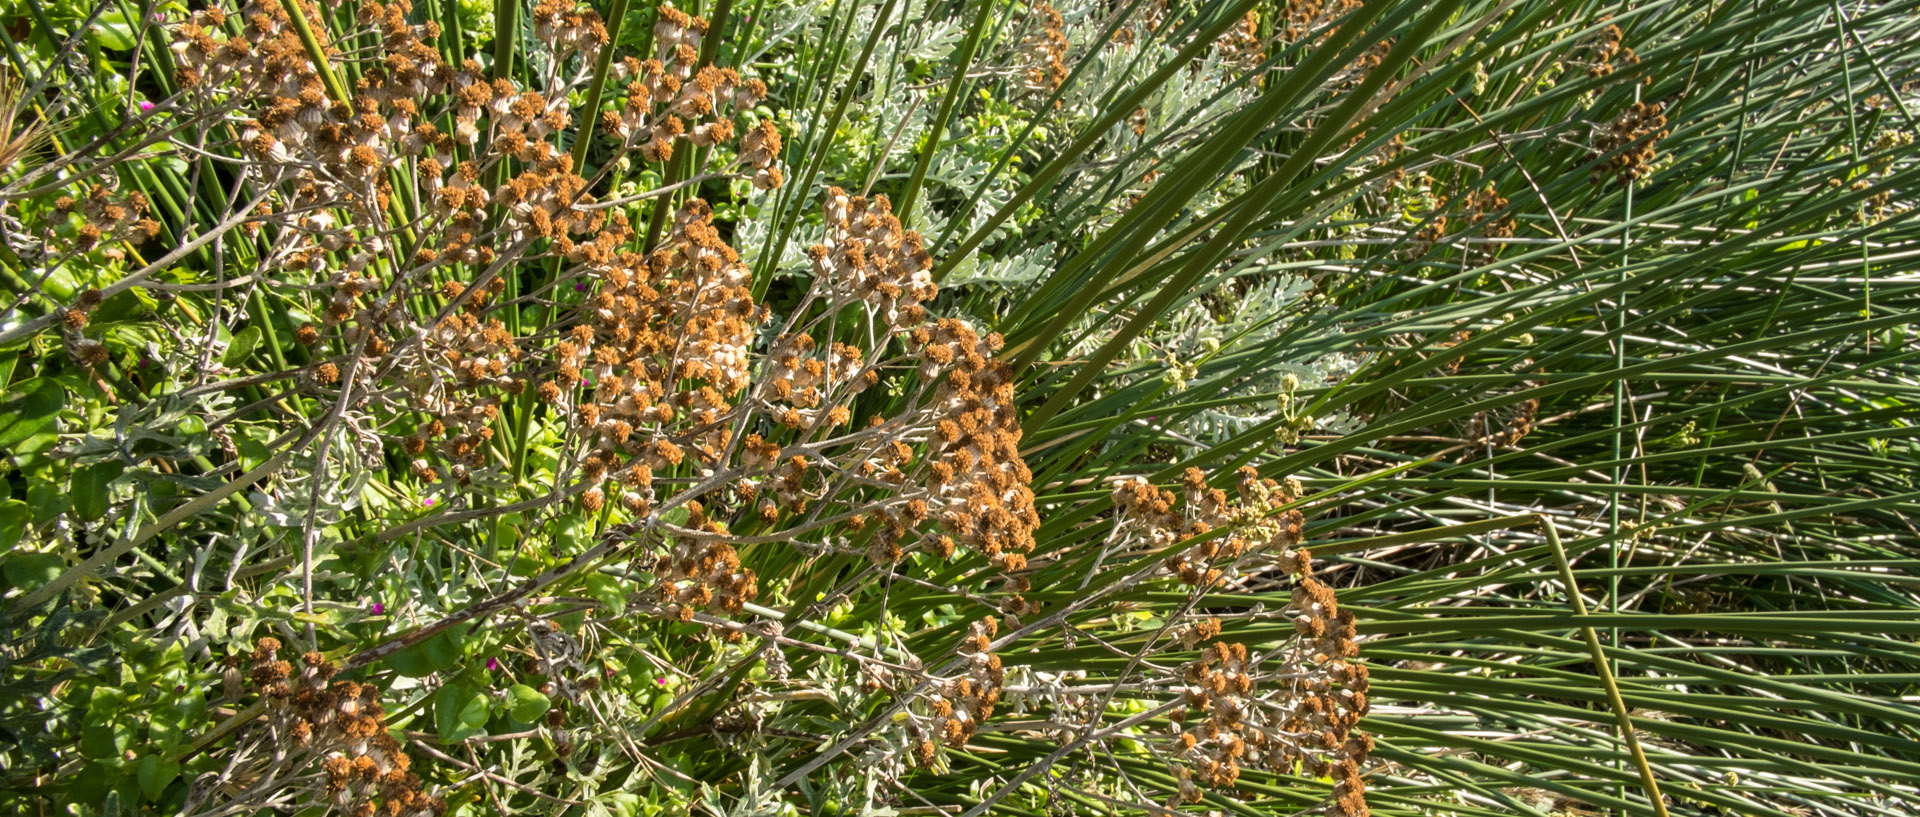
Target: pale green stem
column 1604, row 670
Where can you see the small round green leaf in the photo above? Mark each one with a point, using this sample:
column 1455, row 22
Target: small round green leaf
column 92, row 491
column 113, row 31
column 48, row 500
column 442, row 651
column 528, row 704
column 155, row 773
column 244, row 342
column 27, row 413
column 411, row 662
column 13, row 523
column 459, row 713
column 28, row 571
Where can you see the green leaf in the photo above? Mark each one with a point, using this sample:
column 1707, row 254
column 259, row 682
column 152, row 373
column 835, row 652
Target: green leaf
column 676, row 515
column 608, row 591
column 106, row 739
column 28, row 571
column 47, row 501
column 623, row 804
column 527, row 703
column 155, row 773
column 93, row 783
column 241, row 347
column 427, row 657
column 113, row 31
column 132, row 305
column 574, row 532
column 459, row 713
column 443, row 650
column 92, row 489
column 13, row 523
column 27, row 415
column 411, row 662
column 253, row 451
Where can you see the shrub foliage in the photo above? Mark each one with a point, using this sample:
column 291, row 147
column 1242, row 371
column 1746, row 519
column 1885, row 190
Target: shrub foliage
column 957, row 406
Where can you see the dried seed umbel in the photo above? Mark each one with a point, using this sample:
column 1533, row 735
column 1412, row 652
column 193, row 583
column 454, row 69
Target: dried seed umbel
column 1228, row 719
column 1043, row 52
column 340, row 727
column 1626, row 145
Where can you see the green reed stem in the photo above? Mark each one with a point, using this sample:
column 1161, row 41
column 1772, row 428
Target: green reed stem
column 961, row 62
column 316, row 53
column 1604, row 670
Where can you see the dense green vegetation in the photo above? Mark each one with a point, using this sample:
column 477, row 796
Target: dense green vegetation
column 950, row 406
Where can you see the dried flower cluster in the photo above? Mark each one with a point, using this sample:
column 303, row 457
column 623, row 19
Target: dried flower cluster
column 106, row 218
column 665, row 367
column 869, row 256
column 1607, row 51
column 99, row 221
column 337, row 164
column 1626, row 145
column 1502, row 429
column 682, row 313
column 1258, row 523
column 1148, row 19
column 1316, row 20
column 1458, row 336
column 673, row 98
column 73, row 319
column 1313, row 18
column 1486, row 213
column 1241, row 46
column 1432, row 232
column 1043, row 52
column 1887, row 146
column 1227, row 721
column 953, row 714
column 980, row 485
column 341, row 726
column 701, row 572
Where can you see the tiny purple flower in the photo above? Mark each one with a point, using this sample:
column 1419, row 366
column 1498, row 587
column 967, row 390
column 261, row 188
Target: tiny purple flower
column 146, row 107
column 377, row 609
column 579, row 287
column 662, row 681
column 428, row 502
column 493, row 665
